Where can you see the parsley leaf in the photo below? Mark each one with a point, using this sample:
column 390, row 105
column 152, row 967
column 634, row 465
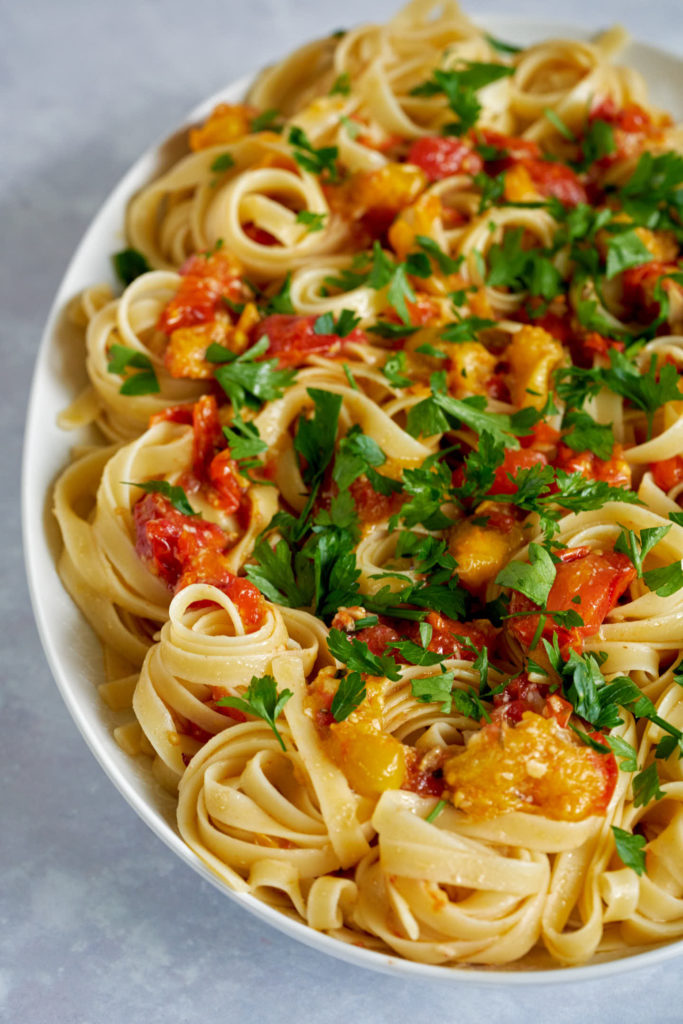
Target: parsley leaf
column 630, row 849
column 621, row 749
column 267, row 120
column 121, row 357
column 625, row 250
column 557, row 123
column 646, row 786
column 175, row 494
column 129, row 264
column 445, row 263
column 460, row 88
column 665, row 581
column 346, row 322
column 358, row 657
column 312, row 221
column 316, row 161
column 281, row 301
column 533, row 579
column 598, row 142
column 280, row 576
column 393, row 370
column 341, row 85
column 636, row 546
column 315, row 437
column 585, row 434
column 262, row 700
column 350, row 693
column 247, row 381
column 223, row 162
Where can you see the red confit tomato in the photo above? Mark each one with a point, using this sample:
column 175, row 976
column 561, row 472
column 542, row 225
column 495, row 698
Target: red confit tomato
column 614, row 471
column 513, row 463
column 291, row 338
column 168, row 541
column 372, row 506
column 522, row 695
column 556, row 179
column 448, row 636
column 205, row 281
column 440, row 157
column 668, row 473
column 182, row 549
column 597, row 580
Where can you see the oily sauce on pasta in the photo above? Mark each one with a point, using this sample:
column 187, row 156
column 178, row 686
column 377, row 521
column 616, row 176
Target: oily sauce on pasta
column 383, row 540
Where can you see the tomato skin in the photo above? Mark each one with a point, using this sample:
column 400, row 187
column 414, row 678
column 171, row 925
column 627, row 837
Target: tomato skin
column 512, row 150
column 447, row 636
column 173, row 414
column 167, row 541
column 515, row 460
column 442, row 156
column 291, row 338
column 224, row 477
column 521, row 695
column 632, row 126
column 668, row 473
column 372, row 506
column 182, row 550
column 598, row 580
column 556, row 179
column 630, row 118
column 207, row 434
column 205, row 281
column 614, row 471
column 638, row 289
column 542, row 436
column 378, row 637
column 208, row 567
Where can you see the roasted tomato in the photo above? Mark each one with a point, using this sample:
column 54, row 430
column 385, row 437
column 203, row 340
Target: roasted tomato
column 522, row 695
column 168, row 541
column 668, row 473
column 514, row 462
column 292, row 338
column 556, row 179
column 631, row 124
column 585, row 581
column 535, row 766
column 440, row 157
column 205, row 281
column 510, row 150
column 207, row 435
column 455, row 639
column 614, row 471
column 639, row 291
column 372, row 506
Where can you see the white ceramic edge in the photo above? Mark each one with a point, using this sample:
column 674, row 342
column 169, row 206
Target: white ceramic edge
column 55, row 613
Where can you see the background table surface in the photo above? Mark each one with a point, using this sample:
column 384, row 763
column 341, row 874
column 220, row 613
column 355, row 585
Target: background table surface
column 98, row 920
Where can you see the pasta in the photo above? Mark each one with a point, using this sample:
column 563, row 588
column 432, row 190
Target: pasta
column 384, row 536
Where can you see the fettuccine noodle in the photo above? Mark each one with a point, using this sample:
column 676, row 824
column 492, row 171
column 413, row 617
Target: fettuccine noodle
column 384, row 537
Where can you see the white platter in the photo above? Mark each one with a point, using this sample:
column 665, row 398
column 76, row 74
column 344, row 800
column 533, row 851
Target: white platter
column 73, row 651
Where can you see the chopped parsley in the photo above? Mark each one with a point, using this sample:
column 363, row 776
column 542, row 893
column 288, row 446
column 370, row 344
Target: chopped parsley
column 261, row 700
column 129, row 264
column 245, row 379
column 174, row 493
column 322, row 161
column 311, row 220
column 121, row 358
column 460, row 88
